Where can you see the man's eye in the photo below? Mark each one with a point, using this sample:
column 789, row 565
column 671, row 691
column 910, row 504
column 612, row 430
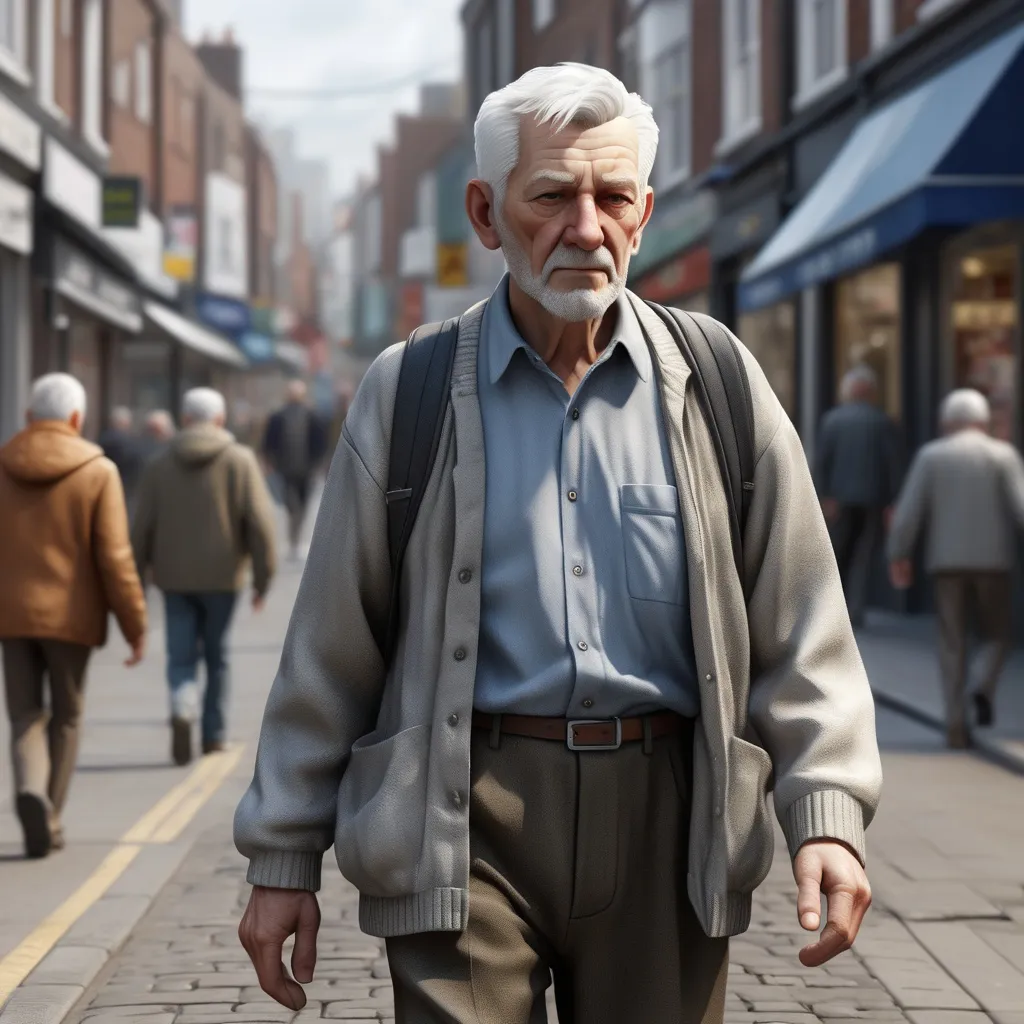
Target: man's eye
column 619, row 200
column 550, row 195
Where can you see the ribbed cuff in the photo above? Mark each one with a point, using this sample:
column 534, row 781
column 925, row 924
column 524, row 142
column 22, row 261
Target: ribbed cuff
column 285, row 870
column 827, row 814
column 436, row 910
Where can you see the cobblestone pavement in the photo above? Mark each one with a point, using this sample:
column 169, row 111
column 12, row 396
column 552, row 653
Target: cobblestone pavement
column 944, row 943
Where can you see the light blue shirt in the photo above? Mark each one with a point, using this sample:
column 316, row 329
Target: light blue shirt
column 585, row 606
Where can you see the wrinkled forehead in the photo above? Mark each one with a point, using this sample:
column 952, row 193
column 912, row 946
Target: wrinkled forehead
column 608, row 154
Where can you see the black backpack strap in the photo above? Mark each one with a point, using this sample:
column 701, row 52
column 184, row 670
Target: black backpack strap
column 424, row 386
column 723, row 391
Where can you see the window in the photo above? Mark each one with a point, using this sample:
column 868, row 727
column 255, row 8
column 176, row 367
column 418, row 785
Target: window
column 186, row 123
column 543, row 14
column 143, row 82
column 506, row 41
column 672, row 111
column 45, row 40
column 882, row 23
column 217, row 147
column 92, row 73
column 121, row 83
column 67, row 18
column 12, row 38
column 822, row 47
column 742, row 85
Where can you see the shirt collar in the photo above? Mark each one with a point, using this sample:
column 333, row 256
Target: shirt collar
column 503, row 339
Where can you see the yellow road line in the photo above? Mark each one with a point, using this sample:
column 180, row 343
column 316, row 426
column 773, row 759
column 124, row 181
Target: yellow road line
column 22, row 960
column 162, row 823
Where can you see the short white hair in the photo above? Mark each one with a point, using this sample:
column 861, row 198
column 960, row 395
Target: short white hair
column 203, row 405
column 561, row 95
column 57, row 396
column 965, row 407
column 860, row 377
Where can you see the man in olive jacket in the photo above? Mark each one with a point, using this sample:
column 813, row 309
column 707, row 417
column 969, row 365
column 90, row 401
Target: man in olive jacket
column 565, row 765
column 203, row 515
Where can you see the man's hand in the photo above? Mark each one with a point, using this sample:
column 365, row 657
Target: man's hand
column 901, row 573
column 138, row 652
column 258, row 602
column 270, row 918
column 829, row 868
column 830, row 508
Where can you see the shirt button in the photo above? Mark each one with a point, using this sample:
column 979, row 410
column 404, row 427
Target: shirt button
column 588, row 703
column 465, row 575
column 577, row 570
column 453, row 719
column 575, row 414
column 709, row 677
column 573, row 495
column 460, row 653
column 582, row 645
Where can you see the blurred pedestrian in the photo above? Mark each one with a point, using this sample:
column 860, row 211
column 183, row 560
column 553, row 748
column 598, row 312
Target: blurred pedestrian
column 157, row 431
column 294, row 444
column 122, row 446
column 964, row 496
column 857, row 472
column 65, row 562
column 203, row 515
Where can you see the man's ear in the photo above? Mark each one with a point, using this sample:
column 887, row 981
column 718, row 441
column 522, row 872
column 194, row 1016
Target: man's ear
column 648, row 210
column 480, row 210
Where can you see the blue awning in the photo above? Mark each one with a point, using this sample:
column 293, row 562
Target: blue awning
column 950, row 153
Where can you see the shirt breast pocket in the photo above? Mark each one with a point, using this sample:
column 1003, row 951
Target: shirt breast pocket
column 652, row 535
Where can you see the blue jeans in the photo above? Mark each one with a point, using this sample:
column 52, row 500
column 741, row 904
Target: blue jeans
column 194, row 622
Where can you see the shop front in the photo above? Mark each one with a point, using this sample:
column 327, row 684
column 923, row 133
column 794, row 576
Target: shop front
column 681, row 283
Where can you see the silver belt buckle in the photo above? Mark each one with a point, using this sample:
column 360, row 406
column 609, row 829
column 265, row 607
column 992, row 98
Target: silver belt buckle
column 570, row 739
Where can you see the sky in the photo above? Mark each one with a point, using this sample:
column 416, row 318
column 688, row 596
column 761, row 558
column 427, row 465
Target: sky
column 330, row 46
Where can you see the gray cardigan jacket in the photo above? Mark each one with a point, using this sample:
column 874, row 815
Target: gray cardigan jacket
column 376, row 760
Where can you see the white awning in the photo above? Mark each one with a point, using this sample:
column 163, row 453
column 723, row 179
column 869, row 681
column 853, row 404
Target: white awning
column 195, row 336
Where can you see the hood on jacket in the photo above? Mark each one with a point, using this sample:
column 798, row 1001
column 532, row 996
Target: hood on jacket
column 197, row 446
column 46, row 452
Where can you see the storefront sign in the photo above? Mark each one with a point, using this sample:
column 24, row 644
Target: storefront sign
column 452, row 265
column 80, row 280
column 673, row 228
column 142, row 246
column 20, row 136
column 226, row 315
column 122, row 202
column 15, row 216
column 181, row 237
column 258, row 347
column 683, row 276
column 225, row 245
column 70, row 185
column 745, row 228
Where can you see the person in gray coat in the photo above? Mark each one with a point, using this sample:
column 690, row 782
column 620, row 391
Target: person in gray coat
column 857, row 473
column 964, row 496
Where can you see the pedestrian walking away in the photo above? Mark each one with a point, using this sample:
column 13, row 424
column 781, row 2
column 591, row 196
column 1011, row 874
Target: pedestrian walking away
column 540, row 726
column 964, row 498
column 125, row 449
column 65, row 564
column 158, row 430
column 203, row 518
column 294, row 445
column 857, row 473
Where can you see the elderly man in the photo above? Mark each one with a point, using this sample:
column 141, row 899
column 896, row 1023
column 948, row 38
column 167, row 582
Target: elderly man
column 857, row 472
column 65, row 563
column 203, row 515
column 124, row 449
column 563, row 765
column 294, row 443
column 964, row 496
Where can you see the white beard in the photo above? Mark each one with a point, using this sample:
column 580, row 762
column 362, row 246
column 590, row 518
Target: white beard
column 572, row 306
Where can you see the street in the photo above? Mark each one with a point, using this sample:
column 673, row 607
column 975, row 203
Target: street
column 137, row 918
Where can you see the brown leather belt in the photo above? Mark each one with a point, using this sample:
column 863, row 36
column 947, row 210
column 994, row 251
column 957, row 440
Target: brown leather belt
column 584, row 733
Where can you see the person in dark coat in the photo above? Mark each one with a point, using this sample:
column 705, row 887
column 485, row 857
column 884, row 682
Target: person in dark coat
column 124, row 449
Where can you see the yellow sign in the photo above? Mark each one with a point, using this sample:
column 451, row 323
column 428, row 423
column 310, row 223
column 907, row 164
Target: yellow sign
column 179, row 267
column 451, row 265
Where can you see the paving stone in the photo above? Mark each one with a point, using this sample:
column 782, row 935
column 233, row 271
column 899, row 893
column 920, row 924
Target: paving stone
column 949, row 1017
column 69, row 965
column 40, row 1004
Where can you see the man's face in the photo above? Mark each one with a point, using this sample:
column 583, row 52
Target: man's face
column 572, row 216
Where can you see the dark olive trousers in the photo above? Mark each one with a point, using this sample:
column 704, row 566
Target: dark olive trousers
column 578, row 868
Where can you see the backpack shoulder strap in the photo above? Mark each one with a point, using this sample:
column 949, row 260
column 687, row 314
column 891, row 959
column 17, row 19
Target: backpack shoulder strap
column 424, row 385
column 723, row 391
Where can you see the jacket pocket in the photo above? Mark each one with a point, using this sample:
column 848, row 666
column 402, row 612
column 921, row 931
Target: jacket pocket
column 749, row 834
column 381, row 812
column 652, row 535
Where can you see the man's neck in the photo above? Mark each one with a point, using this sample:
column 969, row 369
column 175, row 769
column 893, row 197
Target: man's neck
column 568, row 349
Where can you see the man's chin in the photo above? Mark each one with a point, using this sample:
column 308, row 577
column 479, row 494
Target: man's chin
column 579, row 304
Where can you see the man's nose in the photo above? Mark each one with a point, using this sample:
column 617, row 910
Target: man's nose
column 585, row 230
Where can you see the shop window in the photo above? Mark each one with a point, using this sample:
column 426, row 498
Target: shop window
column 868, row 328
column 770, row 334
column 742, row 84
column 821, row 45
column 986, row 295
column 673, row 113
